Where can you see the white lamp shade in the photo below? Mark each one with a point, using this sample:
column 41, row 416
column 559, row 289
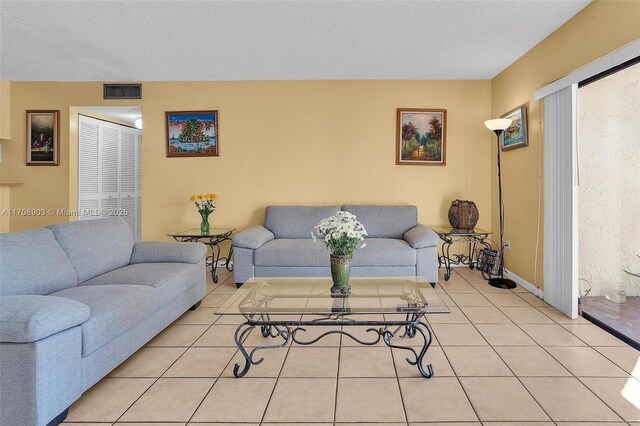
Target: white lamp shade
column 498, row 124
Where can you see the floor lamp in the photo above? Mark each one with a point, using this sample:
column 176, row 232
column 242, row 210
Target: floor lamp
column 498, row 126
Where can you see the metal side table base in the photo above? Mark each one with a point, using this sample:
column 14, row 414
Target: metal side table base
column 472, row 238
column 213, row 239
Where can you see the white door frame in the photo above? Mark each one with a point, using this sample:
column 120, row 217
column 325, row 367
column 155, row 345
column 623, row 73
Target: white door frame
column 560, row 179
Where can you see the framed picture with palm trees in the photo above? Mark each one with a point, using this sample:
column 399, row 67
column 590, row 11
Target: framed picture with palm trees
column 192, row 134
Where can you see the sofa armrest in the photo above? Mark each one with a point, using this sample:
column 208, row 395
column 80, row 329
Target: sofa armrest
column 253, row 238
column 28, row 318
column 421, row 236
column 161, row 252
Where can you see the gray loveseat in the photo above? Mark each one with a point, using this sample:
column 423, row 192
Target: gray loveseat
column 396, row 245
column 76, row 300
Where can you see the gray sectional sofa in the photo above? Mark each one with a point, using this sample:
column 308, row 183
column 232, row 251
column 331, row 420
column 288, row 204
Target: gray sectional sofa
column 76, row 300
column 396, row 245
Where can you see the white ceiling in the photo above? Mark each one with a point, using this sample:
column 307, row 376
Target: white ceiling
column 271, row 40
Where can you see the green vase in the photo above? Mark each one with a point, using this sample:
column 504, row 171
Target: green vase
column 204, row 225
column 340, row 271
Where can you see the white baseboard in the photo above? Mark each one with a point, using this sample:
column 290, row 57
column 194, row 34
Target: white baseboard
column 524, row 283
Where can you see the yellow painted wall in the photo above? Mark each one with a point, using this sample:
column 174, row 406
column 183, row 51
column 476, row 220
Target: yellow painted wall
column 597, row 30
column 5, row 135
column 44, row 187
column 281, row 142
column 5, row 102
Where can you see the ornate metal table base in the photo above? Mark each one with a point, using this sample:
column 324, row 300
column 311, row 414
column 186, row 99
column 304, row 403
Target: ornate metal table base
column 473, row 240
column 215, row 258
column 282, row 332
column 212, row 241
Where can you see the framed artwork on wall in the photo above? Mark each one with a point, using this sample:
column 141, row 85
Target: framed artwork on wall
column 43, row 138
column 515, row 136
column 421, row 136
column 192, row 134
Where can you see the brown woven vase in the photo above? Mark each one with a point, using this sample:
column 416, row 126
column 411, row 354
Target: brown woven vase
column 463, row 214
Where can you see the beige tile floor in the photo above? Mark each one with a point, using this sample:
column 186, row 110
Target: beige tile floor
column 500, row 357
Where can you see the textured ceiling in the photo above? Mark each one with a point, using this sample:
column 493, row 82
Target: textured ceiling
column 270, row 40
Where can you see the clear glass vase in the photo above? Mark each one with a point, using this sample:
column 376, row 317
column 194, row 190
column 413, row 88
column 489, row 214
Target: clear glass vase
column 204, row 224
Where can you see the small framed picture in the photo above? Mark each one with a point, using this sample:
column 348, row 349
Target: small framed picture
column 421, row 136
column 43, row 141
column 192, row 134
column 515, row 136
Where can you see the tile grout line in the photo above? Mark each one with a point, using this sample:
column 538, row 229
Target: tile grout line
column 499, row 357
column 185, row 348
column 395, row 364
column 212, row 385
column 614, row 362
column 158, row 378
column 335, row 401
column 221, row 372
column 395, row 368
column 475, row 412
column 558, row 361
column 370, row 377
column 546, row 351
column 466, row 395
column 601, row 400
column 275, row 384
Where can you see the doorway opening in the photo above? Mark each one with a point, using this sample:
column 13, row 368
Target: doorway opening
column 609, row 201
column 110, row 164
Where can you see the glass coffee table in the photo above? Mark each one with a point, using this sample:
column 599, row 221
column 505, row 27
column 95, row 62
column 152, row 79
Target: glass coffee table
column 285, row 308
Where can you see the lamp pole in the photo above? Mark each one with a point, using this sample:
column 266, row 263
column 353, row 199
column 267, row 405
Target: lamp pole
column 498, row 127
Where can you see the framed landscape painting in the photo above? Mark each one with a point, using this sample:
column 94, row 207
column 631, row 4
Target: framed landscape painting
column 43, row 144
column 192, row 134
column 515, row 136
column 421, row 136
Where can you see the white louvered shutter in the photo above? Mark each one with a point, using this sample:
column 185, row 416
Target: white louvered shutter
column 138, row 233
column 128, row 177
column 88, row 168
column 110, row 175
column 109, row 161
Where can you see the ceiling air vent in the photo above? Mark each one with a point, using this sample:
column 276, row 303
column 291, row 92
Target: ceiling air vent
column 122, row 91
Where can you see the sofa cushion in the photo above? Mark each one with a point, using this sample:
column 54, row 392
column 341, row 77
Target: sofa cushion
column 292, row 252
column 421, row 237
column 27, row 318
column 32, row 262
column 252, row 238
column 296, row 221
column 115, row 309
column 385, row 221
column 164, row 252
column 169, row 279
column 95, row 246
column 384, row 252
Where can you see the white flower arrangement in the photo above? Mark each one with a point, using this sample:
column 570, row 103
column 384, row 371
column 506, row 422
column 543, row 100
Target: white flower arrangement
column 340, row 233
